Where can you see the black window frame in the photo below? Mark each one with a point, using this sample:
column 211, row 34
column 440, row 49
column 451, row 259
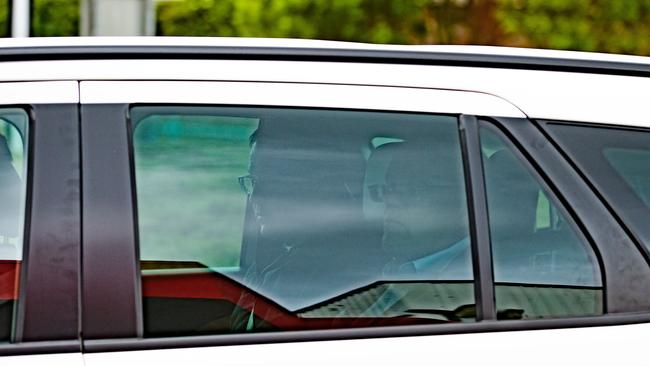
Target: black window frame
column 125, row 332
column 48, row 312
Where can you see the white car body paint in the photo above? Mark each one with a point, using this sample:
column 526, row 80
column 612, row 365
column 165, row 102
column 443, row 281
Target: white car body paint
column 613, row 345
column 59, row 359
column 298, row 95
column 53, row 92
column 611, row 99
column 288, row 43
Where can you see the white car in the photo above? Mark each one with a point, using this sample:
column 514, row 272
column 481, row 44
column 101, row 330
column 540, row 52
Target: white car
column 251, row 201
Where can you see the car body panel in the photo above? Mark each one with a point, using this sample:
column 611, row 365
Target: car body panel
column 596, row 346
column 297, row 95
column 599, row 98
column 45, row 92
column 56, row 44
column 61, row 359
column 302, row 93
column 101, row 77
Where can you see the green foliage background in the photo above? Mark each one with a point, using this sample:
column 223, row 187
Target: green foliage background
column 620, row 26
column 55, row 18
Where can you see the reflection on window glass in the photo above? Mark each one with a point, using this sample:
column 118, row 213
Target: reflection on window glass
column 13, row 133
column 541, row 267
column 189, row 194
column 286, row 219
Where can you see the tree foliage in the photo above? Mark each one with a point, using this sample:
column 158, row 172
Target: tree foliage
column 620, row 26
column 592, row 25
column 55, row 18
column 377, row 21
column 49, row 18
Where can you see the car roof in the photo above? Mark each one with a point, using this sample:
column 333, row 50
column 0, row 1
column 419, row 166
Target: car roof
column 542, row 84
column 212, row 42
column 94, row 47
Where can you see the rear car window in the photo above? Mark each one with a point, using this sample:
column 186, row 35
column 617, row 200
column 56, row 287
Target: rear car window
column 617, row 162
column 270, row 219
column 542, row 267
column 13, row 177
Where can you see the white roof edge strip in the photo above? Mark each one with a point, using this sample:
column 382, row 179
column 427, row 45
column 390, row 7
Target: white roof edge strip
column 298, row 95
column 295, row 43
column 39, row 92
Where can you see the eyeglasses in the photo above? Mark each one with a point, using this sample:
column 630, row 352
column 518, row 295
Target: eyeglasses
column 247, row 183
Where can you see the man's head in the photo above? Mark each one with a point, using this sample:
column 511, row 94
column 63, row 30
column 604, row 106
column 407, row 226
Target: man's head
column 425, row 208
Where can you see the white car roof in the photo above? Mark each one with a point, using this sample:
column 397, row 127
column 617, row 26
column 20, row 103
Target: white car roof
column 542, row 84
column 54, row 42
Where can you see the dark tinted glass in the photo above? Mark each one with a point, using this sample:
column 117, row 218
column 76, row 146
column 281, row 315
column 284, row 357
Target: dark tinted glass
column 617, row 163
column 542, row 268
column 284, row 219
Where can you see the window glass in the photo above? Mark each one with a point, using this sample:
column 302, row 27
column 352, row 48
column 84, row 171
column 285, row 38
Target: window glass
column 258, row 219
column 617, row 163
column 13, row 169
column 632, row 165
column 542, row 267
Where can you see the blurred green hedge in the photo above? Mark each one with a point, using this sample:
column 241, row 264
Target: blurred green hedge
column 620, row 26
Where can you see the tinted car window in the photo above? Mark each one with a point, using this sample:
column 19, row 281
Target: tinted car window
column 542, row 267
column 257, row 219
column 13, row 170
column 617, row 163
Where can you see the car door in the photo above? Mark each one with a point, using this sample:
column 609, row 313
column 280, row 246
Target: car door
column 39, row 224
column 290, row 222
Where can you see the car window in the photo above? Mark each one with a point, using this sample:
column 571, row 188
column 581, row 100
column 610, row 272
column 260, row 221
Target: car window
column 542, row 266
column 13, row 170
column 259, row 219
column 617, row 163
column 632, row 166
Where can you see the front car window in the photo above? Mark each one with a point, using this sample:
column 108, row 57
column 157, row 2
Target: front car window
column 257, row 219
